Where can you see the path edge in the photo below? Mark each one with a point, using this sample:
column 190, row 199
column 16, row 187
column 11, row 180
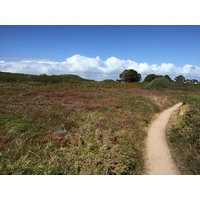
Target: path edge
column 155, row 116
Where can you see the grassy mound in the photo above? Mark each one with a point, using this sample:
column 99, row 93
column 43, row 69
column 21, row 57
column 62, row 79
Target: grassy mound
column 108, row 81
column 158, row 84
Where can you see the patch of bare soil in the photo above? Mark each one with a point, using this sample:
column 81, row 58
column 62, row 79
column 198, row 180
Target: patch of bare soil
column 159, row 160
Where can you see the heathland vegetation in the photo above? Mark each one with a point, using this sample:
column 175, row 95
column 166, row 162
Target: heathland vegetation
column 69, row 125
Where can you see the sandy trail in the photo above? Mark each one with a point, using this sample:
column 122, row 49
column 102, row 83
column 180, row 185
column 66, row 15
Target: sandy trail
column 159, row 160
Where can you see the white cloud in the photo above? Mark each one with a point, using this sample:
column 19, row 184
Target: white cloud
column 82, row 64
column 97, row 69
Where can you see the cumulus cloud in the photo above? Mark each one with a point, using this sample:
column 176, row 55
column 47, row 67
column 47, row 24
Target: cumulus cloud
column 96, row 68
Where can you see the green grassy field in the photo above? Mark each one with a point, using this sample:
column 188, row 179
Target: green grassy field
column 82, row 127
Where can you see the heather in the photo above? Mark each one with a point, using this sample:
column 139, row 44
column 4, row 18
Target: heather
column 103, row 125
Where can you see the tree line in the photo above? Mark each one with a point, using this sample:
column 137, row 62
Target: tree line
column 130, row 76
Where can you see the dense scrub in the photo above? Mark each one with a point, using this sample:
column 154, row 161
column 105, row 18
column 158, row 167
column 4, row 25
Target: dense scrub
column 42, row 79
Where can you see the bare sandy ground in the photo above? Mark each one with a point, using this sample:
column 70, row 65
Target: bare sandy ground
column 159, row 160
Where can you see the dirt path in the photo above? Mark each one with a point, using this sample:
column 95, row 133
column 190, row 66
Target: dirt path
column 159, row 160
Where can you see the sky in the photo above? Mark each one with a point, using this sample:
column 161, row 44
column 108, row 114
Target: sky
column 100, row 52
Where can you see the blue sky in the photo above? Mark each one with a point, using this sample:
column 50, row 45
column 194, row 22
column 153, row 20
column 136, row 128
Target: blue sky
column 100, row 52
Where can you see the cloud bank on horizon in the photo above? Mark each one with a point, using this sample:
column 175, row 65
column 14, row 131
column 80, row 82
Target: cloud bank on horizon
column 96, row 68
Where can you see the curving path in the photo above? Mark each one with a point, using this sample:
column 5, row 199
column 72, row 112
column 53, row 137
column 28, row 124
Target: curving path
column 159, row 160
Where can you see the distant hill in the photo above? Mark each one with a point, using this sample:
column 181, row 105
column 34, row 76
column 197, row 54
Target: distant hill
column 43, row 78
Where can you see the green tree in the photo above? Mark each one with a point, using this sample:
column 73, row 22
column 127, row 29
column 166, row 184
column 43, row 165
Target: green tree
column 168, row 77
column 130, row 76
column 180, row 79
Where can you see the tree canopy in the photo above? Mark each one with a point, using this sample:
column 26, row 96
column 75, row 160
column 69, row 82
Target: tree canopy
column 129, row 76
column 180, row 79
